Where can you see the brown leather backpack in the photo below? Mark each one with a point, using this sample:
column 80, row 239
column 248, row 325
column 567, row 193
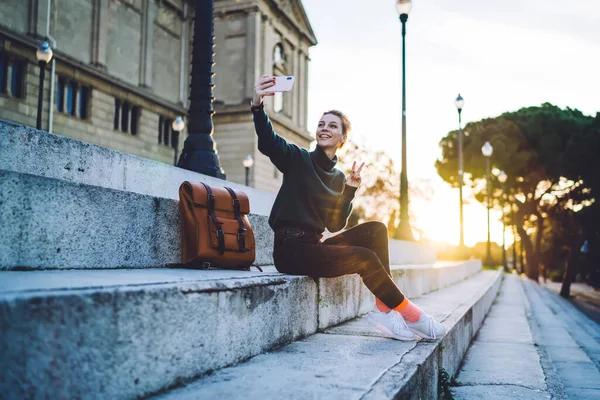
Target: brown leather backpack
column 215, row 231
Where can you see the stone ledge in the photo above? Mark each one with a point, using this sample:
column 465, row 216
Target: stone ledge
column 56, row 224
column 128, row 333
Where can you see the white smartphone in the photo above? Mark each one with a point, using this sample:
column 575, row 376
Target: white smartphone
column 282, row 84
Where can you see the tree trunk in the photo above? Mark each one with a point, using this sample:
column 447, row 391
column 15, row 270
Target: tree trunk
column 538, row 244
column 571, row 270
column 531, row 267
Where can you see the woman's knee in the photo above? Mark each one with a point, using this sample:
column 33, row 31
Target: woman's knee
column 374, row 226
column 369, row 260
column 378, row 230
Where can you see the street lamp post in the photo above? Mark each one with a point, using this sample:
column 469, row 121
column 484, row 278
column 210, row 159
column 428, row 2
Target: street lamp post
column 177, row 126
column 199, row 152
column 487, row 151
column 248, row 162
column 502, row 179
column 403, row 8
column 459, row 103
column 43, row 55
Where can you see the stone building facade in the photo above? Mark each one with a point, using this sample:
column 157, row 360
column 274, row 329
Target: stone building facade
column 120, row 73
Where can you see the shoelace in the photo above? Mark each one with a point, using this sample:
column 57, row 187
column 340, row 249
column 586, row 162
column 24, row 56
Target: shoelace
column 432, row 330
column 399, row 323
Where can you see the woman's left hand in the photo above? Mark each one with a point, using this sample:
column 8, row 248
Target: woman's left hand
column 354, row 178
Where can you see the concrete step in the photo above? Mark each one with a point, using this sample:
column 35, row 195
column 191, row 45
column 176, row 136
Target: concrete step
column 352, row 361
column 132, row 332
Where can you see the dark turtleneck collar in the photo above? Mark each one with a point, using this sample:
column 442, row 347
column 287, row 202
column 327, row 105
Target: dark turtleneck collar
column 323, row 160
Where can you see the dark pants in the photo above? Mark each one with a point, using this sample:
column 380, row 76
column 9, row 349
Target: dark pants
column 361, row 250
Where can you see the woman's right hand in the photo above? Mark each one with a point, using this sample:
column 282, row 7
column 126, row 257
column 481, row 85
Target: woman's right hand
column 260, row 89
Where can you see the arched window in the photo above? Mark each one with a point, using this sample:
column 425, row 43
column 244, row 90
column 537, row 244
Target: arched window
column 279, row 55
column 279, row 68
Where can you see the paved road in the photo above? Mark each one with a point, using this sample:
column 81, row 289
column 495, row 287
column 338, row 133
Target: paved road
column 533, row 345
column 583, row 296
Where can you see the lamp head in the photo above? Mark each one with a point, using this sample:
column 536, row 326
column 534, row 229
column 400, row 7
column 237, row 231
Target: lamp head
column 44, row 52
column 459, row 102
column 487, row 149
column 502, row 177
column 248, row 161
column 178, row 124
column 403, row 6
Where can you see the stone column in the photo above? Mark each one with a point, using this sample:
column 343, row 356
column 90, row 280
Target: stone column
column 288, row 98
column 99, row 33
column 148, row 17
column 183, row 58
column 253, row 49
column 38, row 15
column 296, row 94
column 303, row 89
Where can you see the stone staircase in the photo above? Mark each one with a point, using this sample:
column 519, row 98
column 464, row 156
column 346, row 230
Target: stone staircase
column 88, row 309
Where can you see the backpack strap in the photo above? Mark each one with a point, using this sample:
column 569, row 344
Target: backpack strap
column 241, row 236
column 213, row 216
column 256, row 265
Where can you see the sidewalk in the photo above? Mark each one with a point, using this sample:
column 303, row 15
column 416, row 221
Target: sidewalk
column 583, row 296
column 533, row 345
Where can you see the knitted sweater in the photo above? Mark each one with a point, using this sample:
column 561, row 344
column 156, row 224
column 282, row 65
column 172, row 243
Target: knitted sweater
column 314, row 194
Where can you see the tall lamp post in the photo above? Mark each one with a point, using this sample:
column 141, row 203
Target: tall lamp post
column 199, row 152
column 177, row 126
column 248, row 163
column 403, row 8
column 487, row 151
column 43, row 55
column 459, row 103
column 502, row 179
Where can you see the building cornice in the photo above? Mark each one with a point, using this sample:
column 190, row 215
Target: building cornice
column 267, row 7
column 306, row 31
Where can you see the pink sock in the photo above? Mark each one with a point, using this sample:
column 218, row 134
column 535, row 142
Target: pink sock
column 409, row 311
column 381, row 306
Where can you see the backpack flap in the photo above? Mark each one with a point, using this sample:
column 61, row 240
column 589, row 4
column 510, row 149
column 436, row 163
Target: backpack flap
column 215, row 226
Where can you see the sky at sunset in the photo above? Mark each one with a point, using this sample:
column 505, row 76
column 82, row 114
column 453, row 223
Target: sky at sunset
column 500, row 56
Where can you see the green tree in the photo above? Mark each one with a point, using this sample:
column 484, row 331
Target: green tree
column 534, row 146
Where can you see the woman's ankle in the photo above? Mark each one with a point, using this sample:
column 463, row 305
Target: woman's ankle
column 409, row 311
column 381, row 306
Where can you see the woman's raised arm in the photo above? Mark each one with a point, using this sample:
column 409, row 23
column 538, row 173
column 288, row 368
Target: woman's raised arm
column 270, row 144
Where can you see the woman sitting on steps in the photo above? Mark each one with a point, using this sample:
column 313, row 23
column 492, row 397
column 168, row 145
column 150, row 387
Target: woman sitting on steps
column 314, row 196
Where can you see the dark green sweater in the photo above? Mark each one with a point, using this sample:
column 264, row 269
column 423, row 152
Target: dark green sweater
column 314, row 194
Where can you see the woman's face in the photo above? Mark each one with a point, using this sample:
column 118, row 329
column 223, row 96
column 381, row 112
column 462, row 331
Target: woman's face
column 329, row 132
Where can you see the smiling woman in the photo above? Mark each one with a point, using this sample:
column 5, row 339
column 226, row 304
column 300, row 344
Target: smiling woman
column 332, row 124
column 316, row 196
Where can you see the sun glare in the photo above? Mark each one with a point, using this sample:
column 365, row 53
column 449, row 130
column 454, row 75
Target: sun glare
column 438, row 219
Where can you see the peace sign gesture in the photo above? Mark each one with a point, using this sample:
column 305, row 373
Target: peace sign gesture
column 354, row 178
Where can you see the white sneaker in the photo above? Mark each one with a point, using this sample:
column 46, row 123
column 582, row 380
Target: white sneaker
column 427, row 327
column 391, row 323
